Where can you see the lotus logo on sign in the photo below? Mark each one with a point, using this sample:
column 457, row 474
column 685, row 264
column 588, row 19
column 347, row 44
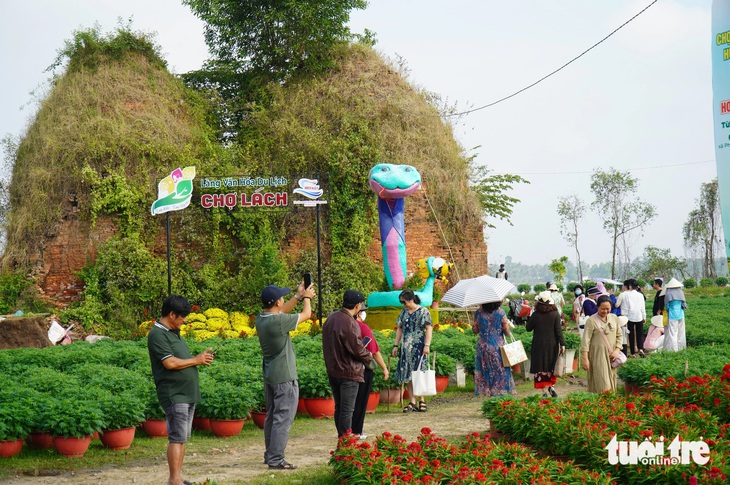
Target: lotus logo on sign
column 175, row 191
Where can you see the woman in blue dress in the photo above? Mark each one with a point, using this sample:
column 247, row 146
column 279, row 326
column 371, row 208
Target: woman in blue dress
column 491, row 377
column 414, row 332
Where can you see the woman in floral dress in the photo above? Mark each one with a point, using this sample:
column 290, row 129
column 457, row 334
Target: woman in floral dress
column 491, row 377
column 414, row 332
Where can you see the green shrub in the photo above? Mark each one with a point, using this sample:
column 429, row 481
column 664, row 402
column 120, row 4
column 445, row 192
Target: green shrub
column 71, row 417
column 523, row 288
column 224, row 400
column 641, row 283
column 696, row 361
column 313, row 381
column 571, row 286
column 689, row 283
column 123, row 410
column 706, row 282
column 445, row 365
column 539, row 287
column 721, row 281
column 572, row 340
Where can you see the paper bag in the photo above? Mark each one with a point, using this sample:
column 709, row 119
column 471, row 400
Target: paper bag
column 513, row 353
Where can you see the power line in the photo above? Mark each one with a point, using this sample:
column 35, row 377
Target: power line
column 633, row 169
column 461, row 113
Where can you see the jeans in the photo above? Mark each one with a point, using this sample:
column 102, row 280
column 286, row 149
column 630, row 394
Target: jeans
column 281, row 407
column 344, row 391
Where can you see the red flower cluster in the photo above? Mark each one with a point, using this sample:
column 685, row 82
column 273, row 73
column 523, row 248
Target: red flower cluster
column 711, row 393
column 431, row 460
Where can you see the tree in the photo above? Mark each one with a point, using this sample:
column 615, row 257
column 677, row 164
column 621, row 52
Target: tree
column 621, row 211
column 571, row 210
column 273, row 38
column 659, row 262
column 702, row 229
column 491, row 191
column 557, row 267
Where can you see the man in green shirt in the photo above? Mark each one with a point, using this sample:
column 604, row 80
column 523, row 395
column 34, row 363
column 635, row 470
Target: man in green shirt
column 176, row 379
column 279, row 367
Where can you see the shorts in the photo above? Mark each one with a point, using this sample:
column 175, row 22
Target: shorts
column 179, row 417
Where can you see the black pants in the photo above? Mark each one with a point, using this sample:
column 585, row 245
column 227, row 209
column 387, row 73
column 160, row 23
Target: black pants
column 344, row 391
column 636, row 336
column 361, row 402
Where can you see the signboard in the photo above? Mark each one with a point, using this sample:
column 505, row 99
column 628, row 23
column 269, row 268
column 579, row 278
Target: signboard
column 254, row 191
column 721, row 107
column 175, row 191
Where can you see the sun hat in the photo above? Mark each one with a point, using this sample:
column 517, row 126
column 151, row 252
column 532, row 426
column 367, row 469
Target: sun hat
column 553, row 287
column 673, row 283
column 657, row 321
column 623, row 320
column 271, row 293
column 545, row 297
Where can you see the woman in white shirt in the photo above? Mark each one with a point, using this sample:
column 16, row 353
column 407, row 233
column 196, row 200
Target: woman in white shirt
column 633, row 307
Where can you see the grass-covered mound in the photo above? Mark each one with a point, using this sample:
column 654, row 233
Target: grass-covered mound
column 116, row 121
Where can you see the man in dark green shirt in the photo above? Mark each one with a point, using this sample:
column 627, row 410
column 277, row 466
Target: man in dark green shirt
column 281, row 388
column 176, row 379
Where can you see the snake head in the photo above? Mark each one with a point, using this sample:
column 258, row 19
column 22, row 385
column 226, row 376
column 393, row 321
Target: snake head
column 391, row 181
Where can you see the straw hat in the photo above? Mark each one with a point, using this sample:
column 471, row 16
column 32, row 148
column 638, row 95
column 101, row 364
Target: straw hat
column 673, row 283
column 545, row 297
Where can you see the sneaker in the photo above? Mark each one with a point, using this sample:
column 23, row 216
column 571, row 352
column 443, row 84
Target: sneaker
column 552, row 391
column 363, row 436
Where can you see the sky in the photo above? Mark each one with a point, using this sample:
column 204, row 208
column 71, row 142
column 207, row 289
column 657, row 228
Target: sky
column 641, row 101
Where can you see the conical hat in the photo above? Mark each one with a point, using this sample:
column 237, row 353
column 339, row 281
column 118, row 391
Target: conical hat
column 657, row 321
column 673, row 283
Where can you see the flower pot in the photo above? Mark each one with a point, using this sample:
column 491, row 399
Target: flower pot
column 202, row 424
column 43, row 441
column 570, row 361
column 575, row 364
column 301, row 408
column 258, row 418
column 390, row 396
column 71, row 447
column 8, row 449
column 320, row 407
column 155, row 428
column 225, row 428
column 442, row 383
column 95, row 435
column 373, row 401
column 118, row 439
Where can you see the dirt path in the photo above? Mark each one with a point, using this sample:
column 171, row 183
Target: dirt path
column 452, row 416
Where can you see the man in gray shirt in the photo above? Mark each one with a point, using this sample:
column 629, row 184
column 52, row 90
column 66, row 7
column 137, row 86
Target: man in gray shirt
column 279, row 367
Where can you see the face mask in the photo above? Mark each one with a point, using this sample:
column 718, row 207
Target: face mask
column 363, row 315
column 578, row 292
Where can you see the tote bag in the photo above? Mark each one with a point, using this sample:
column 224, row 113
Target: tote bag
column 424, row 381
column 513, row 353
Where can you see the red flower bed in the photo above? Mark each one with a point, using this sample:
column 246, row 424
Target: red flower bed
column 711, row 393
column 581, row 428
column 431, row 460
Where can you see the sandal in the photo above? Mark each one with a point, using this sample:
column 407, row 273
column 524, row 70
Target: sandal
column 410, row 408
column 422, row 407
column 284, row 465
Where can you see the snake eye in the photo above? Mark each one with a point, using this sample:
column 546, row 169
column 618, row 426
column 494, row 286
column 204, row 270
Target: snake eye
column 384, row 169
column 408, row 169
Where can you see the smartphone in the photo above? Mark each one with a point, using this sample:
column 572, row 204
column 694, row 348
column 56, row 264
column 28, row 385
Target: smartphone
column 307, row 280
column 216, row 349
column 366, row 341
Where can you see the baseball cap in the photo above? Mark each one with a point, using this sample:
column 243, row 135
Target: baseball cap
column 271, row 293
column 352, row 298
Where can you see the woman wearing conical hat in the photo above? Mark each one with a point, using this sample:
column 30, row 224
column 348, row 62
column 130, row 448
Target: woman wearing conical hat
column 675, row 303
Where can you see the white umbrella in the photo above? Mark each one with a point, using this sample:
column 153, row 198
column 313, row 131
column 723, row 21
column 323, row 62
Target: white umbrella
column 609, row 280
column 475, row 291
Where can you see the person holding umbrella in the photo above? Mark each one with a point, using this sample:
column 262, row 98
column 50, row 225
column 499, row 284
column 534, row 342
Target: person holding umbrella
column 491, row 377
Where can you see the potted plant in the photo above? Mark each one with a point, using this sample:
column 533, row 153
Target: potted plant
column 314, row 387
column 258, row 413
column 122, row 414
column 390, row 392
column 227, row 405
column 15, row 418
column 155, row 424
column 72, row 421
column 572, row 344
column 444, row 367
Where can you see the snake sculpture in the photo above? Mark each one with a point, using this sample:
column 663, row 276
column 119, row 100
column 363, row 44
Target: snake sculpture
column 393, row 183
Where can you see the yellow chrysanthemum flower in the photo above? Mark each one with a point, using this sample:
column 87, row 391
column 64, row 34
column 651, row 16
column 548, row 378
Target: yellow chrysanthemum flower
column 196, row 317
column 215, row 313
column 216, row 324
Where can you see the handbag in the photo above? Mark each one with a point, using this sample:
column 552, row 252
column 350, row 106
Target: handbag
column 620, row 359
column 424, row 381
column 561, row 365
column 513, row 352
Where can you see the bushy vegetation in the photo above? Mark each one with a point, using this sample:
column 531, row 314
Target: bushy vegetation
column 689, row 283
